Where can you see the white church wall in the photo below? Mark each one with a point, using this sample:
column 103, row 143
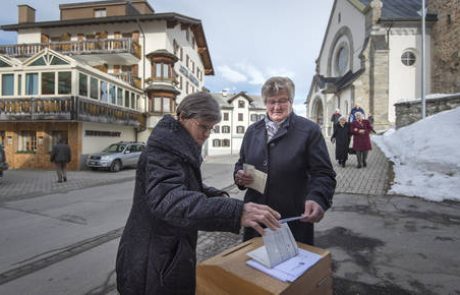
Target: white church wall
column 352, row 18
column 405, row 81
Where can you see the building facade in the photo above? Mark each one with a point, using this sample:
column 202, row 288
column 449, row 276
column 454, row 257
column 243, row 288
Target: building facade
column 445, row 56
column 370, row 56
column 238, row 112
column 107, row 71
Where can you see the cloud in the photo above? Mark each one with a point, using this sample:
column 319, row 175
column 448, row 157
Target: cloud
column 299, row 109
column 231, row 75
column 255, row 75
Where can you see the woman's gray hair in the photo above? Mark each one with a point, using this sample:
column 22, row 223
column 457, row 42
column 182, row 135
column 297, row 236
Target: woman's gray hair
column 342, row 117
column 359, row 114
column 275, row 85
column 199, row 105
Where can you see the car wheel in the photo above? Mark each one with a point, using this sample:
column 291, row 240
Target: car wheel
column 116, row 166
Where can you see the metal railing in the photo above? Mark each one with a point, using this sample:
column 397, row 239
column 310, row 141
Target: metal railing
column 96, row 46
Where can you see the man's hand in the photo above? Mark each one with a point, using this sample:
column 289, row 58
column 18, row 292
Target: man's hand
column 242, row 178
column 313, row 212
column 256, row 214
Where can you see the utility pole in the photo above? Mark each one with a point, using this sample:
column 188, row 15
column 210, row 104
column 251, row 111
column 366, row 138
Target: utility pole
column 423, row 60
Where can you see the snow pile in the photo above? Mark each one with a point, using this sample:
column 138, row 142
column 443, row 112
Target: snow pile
column 426, row 155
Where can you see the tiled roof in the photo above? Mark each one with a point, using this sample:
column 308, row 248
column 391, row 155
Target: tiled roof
column 223, row 100
column 399, row 9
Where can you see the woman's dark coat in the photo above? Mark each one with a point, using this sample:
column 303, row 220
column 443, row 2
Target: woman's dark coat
column 156, row 254
column 298, row 167
column 361, row 141
column 341, row 135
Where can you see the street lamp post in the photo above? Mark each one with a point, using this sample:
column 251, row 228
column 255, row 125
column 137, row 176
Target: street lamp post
column 423, row 60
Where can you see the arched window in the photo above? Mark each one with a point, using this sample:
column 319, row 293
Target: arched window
column 216, row 143
column 226, row 143
column 241, row 103
column 341, row 63
column 253, row 117
column 239, row 129
column 216, row 129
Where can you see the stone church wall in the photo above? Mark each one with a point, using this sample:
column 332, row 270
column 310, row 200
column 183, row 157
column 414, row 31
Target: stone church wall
column 411, row 111
column 446, row 46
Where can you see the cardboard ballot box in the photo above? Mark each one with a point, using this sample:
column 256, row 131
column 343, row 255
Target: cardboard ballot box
column 228, row 273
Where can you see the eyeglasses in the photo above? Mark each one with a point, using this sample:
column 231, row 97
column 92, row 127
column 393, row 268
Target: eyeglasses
column 279, row 102
column 203, row 128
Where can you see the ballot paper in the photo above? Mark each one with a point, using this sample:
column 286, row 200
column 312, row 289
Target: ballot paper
column 260, row 178
column 291, row 269
column 279, row 246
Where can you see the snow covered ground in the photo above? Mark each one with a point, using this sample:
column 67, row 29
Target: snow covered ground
column 426, row 157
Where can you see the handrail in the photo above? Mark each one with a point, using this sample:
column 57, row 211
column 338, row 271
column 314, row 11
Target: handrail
column 95, row 46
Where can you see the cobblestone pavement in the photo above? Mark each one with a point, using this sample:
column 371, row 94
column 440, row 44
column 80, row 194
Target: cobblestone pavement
column 371, row 180
column 21, row 184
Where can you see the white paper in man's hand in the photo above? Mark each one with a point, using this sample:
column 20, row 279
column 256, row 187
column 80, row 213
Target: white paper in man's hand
column 260, row 178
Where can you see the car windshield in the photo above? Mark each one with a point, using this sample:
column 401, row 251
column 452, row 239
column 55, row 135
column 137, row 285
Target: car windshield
column 115, row 148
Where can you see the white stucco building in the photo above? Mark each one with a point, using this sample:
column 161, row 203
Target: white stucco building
column 113, row 68
column 238, row 112
column 370, row 56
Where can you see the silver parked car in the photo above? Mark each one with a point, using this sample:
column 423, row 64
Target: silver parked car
column 116, row 156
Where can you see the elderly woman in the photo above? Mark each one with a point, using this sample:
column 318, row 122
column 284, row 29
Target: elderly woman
column 341, row 138
column 156, row 254
column 361, row 129
column 292, row 151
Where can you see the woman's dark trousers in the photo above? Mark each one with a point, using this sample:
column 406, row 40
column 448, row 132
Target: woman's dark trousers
column 362, row 157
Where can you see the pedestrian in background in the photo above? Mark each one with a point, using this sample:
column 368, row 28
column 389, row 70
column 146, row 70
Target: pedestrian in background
column 341, row 138
column 157, row 251
column 3, row 163
column 361, row 138
column 356, row 108
column 292, row 151
column 370, row 118
column 61, row 156
column 335, row 117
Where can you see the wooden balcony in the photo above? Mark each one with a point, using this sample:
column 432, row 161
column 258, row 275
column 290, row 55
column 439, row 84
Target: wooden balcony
column 68, row 108
column 112, row 51
column 129, row 78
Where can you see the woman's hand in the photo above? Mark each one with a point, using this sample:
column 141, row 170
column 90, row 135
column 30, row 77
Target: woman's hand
column 242, row 178
column 313, row 212
column 255, row 214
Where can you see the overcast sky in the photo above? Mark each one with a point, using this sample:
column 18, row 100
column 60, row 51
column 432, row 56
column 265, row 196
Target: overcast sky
column 249, row 40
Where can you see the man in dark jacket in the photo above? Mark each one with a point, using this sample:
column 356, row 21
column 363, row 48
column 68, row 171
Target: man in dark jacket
column 61, row 155
column 3, row 164
column 293, row 153
column 157, row 249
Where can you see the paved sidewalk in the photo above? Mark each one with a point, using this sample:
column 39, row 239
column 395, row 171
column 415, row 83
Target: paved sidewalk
column 371, row 180
column 21, row 184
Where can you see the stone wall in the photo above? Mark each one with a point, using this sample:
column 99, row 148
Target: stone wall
column 411, row 111
column 445, row 46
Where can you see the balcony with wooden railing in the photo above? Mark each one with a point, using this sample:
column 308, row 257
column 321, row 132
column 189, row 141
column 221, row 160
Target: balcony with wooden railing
column 128, row 51
column 68, row 108
column 129, row 78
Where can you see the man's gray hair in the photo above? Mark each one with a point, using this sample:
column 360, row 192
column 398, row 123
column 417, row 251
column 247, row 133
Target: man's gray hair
column 275, row 85
column 199, row 105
